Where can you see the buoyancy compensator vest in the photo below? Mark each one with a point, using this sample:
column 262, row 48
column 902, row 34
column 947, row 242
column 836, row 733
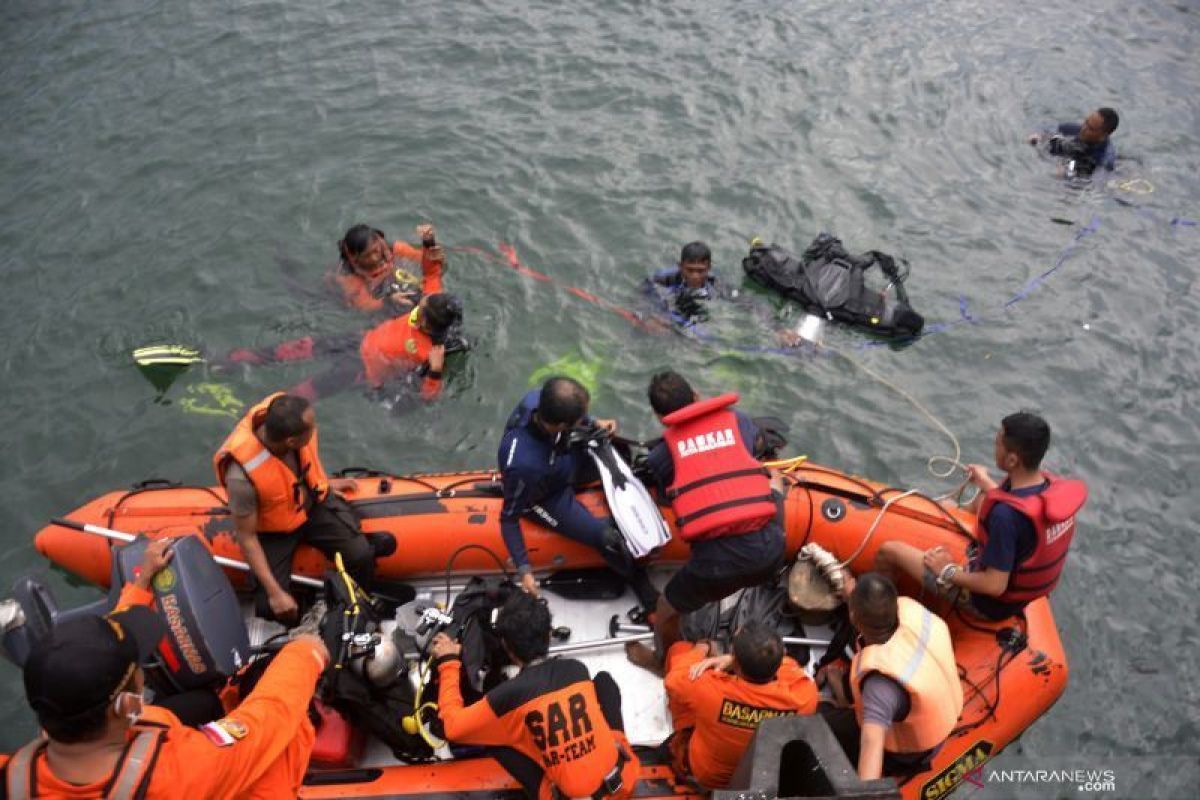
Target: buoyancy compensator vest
column 827, row 280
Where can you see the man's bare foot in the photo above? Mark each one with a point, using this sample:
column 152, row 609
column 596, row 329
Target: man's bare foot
column 642, row 656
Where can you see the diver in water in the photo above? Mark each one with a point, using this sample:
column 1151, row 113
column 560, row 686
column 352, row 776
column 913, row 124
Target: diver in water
column 408, row 348
column 684, row 290
column 370, row 273
column 1085, row 147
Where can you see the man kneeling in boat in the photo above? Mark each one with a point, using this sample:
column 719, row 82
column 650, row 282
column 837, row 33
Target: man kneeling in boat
column 280, row 496
column 1024, row 527
column 557, row 731
column 903, row 683
column 724, row 502
column 717, row 702
column 101, row 739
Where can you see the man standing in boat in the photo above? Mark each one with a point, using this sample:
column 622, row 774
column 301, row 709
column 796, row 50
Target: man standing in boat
column 539, row 468
column 718, row 701
column 557, row 731
column 1024, row 528
column 903, row 697
column 280, row 496
column 724, row 502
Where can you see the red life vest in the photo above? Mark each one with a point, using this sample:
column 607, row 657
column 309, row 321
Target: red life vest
column 1052, row 513
column 720, row 489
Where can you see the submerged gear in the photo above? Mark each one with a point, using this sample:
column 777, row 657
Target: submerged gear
column 920, row 657
column 719, row 488
column 283, row 495
column 1052, row 514
column 827, row 280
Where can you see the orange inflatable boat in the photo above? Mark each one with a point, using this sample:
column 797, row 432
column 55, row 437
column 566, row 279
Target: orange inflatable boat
column 1011, row 672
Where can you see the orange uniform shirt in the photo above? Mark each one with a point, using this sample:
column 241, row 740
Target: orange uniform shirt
column 397, row 346
column 266, row 760
column 724, row 709
column 360, row 291
column 550, row 713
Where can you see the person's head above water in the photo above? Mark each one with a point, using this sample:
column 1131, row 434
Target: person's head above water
column 695, row 264
column 365, row 250
column 1099, row 125
column 438, row 313
column 669, row 391
column 562, row 403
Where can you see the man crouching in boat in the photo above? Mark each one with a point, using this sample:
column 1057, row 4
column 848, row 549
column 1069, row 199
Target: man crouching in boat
column 101, row 739
column 904, row 696
column 725, row 506
column 280, row 496
column 1024, row 527
column 557, row 731
column 538, row 470
column 717, row 702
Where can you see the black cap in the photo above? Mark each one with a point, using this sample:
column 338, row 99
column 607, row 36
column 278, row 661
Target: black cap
column 82, row 663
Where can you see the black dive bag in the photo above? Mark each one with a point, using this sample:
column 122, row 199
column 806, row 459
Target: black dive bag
column 828, row 281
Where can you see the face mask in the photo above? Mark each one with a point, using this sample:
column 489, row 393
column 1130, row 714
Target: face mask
column 138, row 699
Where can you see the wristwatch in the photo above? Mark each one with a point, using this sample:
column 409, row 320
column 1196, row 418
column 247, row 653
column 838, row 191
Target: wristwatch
column 947, row 574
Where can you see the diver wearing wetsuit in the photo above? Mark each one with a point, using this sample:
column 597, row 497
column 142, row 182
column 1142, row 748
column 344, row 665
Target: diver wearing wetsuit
column 684, row 290
column 1087, row 146
column 539, row 469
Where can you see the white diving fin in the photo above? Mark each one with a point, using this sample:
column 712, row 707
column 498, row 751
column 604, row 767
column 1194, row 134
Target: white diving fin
column 633, row 509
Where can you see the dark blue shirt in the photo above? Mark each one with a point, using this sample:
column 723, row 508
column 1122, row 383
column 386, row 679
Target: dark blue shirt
column 1011, row 540
column 1099, row 154
column 533, row 467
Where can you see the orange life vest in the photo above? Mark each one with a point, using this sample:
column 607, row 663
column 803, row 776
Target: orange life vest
column 128, row 783
column 281, row 492
column 720, row 489
column 1052, row 514
column 919, row 657
column 394, row 347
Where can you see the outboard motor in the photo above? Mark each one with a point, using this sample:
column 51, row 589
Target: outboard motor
column 206, row 639
column 29, row 614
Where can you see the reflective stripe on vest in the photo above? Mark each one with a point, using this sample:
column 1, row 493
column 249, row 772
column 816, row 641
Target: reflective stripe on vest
column 280, row 491
column 20, row 773
column 135, row 769
column 920, row 657
column 720, row 489
column 129, row 783
column 1051, row 512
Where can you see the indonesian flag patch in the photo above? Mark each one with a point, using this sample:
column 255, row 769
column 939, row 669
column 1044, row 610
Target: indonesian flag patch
column 224, row 732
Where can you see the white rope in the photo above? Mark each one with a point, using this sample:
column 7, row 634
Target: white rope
column 875, row 524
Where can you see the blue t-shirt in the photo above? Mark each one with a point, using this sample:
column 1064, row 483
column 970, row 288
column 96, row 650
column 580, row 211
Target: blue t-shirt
column 1011, row 540
column 1100, row 154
